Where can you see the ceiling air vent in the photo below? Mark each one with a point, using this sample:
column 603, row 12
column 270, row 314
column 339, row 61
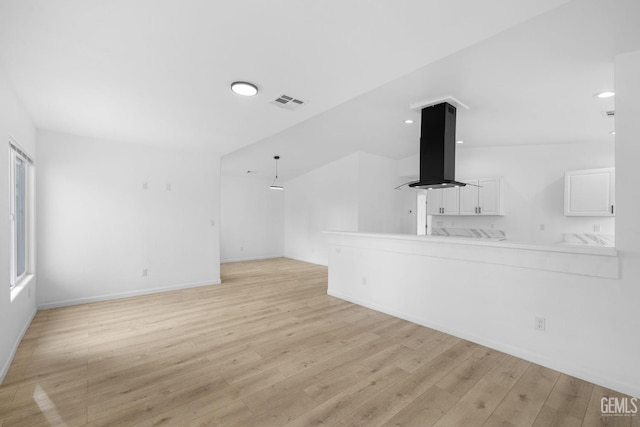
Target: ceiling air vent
column 610, row 113
column 288, row 102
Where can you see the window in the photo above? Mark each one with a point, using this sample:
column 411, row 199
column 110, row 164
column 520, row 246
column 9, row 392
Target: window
column 21, row 189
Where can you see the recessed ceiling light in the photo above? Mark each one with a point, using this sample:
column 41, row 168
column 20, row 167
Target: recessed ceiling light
column 613, row 132
column 244, row 88
column 408, row 121
column 460, row 142
column 606, row 94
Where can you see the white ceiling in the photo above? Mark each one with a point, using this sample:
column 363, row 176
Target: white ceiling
column 158, row 71
column 531, row 84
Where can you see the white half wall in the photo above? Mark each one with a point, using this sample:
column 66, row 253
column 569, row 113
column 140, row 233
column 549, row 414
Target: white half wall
column 251, row 219
column 16, row 315
column 588, row 324
column 533, row 187
column 108, row 210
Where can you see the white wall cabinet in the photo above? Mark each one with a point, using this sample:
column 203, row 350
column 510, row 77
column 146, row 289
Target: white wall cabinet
column 482, row 197
column 443, row 202
column 590, row 192
column 469, row 198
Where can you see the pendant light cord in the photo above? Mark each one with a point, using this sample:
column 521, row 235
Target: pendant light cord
column 276, row 178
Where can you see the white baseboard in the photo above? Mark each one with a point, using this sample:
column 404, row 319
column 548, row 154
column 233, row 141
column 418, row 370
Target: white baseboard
column 304, row 260
column 16, row 344
column 567, row 368
column 251, row 258
column 108, row 297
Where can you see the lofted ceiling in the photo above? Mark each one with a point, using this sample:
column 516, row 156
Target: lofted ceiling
column 531, row 84
column 158, row 71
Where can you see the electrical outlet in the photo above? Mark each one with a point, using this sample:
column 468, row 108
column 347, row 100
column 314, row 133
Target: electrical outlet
column 541, row 324
column 145, row 186
column 596, row 228
column 241, row 248
column 541, row 227
column 338, row 250
column 364, row 281
column 168, row 187
column 145, row 272
column 212, row 223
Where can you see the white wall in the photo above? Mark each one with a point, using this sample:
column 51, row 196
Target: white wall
column 16, row 315
column 382, row 208
column 592, row 323
column 251, row 219
column 533, row 187
column 620, row 312
column 98, row 227
column 323, row 199
column 355, row 193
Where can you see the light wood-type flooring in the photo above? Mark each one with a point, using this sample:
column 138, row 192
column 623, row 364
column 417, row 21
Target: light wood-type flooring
column 268, row 347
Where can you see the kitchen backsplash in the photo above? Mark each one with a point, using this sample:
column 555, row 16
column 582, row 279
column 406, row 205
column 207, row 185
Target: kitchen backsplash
column 472, row 233
column 588, row 239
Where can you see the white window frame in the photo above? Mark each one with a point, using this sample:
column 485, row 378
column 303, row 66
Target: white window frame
column 16, row 281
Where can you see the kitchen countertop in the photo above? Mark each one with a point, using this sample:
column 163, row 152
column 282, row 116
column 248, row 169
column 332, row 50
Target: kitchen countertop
column 582, row 260
column 501, row 243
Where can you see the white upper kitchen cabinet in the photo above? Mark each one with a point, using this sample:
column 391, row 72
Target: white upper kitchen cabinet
column 481, row 196
column 451, row 201
column 469, row 198
column 590, row 192
column 490, row 197
column 434, row 202
column 443, row 202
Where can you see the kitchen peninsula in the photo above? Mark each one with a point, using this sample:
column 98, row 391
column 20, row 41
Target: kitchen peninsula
column 489, row 292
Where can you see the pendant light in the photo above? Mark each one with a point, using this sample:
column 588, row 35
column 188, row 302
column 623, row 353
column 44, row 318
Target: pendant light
column 273, row 185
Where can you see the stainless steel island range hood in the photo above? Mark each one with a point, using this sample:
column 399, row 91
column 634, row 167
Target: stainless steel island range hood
column 438, row 148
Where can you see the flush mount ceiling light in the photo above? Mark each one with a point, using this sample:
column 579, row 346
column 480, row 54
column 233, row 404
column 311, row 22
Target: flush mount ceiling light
column 244, row 88
column 606, row 94
column 409, row 121
column 273, row 186
column 459, row 142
